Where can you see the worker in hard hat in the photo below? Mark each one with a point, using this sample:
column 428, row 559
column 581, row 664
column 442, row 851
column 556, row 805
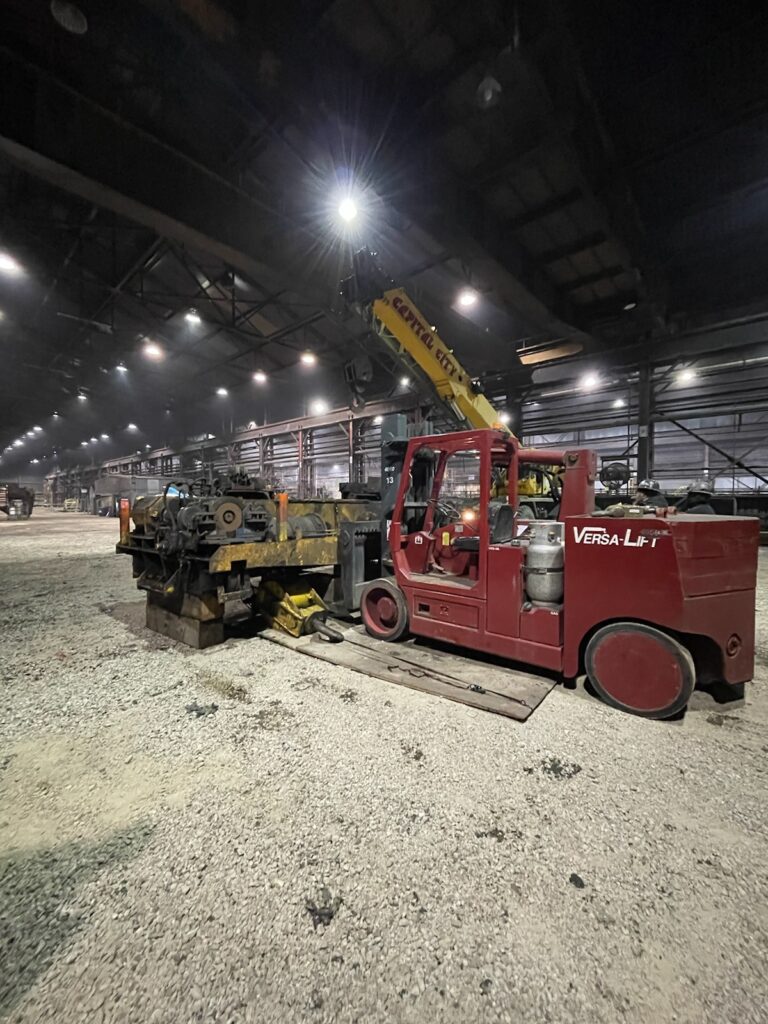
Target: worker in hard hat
column 697, row 499
column 648, row 494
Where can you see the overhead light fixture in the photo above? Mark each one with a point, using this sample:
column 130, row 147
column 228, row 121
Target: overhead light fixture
column 629, row 306
column 589, row 381
column 504, row 417
column 81, row 397
column 18, row 443
column 308, row 358
column 69, row 17
column 260, row 377
column 192, row 317
column 335, row 468
column 30, row 433
column 488, row 93
column 121, row 368
column 378, row 420
column 467, row 297
column 404, row 382
column 686, row 375
column 83, row 444
column 8, row 265
column 318, row 407
column 33, row 462
column 153, row 351
column 348, row 209
column 94, row 440
column 131, row 426
column 55, row 415
column 147, row 447
column 38, row 430
column 222, row 392
column 104, row 437
column 619, row 403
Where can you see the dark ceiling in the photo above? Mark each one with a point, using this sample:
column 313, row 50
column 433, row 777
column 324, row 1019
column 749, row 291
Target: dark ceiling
column 597, row 171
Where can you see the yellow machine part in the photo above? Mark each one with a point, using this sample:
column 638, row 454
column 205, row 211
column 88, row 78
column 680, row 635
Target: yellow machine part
column 289, row 608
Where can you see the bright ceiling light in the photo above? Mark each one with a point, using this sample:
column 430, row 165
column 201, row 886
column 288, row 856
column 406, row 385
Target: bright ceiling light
column 335, row 468
column 121, row 368
column 192, row 317
column 18, row 443
column 8, row 265
column 34, row 462
column 348, row 209
column 30, row 433
column 467, row 297
column 147, row 447
column 589, row 381
column 153, row 351
column 222, row 392
column 55, row 415
column 83, row 444
column 318, row 407
column 687, row 375
column 104, row 437
column 504, row 417
column 132, row 426
column 81, row 397
column 94, row 440
column 308, row 358
column 38, row 430
column 260, row 377
column 619, row 403
column 629, row 306
column 404, row 382
column 378, row 420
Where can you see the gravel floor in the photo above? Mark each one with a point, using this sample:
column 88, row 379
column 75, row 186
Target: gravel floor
column 327, row 847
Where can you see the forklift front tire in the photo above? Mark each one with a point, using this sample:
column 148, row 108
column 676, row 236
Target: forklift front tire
column 384, row 610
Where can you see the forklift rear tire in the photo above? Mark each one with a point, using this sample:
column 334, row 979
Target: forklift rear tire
column 384, row 610
column 639, row 669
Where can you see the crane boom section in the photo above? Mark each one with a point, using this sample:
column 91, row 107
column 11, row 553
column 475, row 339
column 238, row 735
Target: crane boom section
column 407, row 331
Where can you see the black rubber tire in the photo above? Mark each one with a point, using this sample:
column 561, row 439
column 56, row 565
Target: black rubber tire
column 384, row 594
column 668, row 645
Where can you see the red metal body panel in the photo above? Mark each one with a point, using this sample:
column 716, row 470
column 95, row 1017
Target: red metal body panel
column 690, row 574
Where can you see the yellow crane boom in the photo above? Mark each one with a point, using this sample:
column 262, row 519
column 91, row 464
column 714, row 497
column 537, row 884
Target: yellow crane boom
column 407, row 333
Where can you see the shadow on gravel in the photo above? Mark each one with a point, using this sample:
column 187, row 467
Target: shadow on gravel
column 39, row 912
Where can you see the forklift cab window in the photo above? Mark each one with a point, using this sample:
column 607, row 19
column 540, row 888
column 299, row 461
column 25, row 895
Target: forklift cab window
column 458, row 500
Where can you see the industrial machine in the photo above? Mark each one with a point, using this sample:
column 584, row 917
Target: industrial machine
column 198, row 547
column 17, row 502
column 457, row 547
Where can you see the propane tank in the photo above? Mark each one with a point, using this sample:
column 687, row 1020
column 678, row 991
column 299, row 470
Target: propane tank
column 544, row 563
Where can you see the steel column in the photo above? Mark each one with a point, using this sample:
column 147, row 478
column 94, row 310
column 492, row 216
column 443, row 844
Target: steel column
column 644, row 422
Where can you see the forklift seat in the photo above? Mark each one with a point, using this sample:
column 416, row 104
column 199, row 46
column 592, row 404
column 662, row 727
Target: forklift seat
column 504, row 525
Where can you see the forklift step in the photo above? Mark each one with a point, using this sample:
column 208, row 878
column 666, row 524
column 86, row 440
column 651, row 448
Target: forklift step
column 422, row 666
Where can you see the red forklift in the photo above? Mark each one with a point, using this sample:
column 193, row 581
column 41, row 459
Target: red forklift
column 646, row 603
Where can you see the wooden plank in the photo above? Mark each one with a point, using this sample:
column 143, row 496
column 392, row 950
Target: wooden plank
column 514, row 694
column 501, row 679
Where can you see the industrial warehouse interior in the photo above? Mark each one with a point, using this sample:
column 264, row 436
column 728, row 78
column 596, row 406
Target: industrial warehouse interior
column 383, row 501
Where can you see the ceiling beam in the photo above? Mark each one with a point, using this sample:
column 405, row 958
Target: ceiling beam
column 54, row 133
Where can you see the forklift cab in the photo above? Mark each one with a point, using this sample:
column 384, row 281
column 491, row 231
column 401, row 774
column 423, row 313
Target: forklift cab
column 449, row 517
column 445, row 534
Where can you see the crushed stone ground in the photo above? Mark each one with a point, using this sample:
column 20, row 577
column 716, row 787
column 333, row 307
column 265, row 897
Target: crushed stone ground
column 319, row 846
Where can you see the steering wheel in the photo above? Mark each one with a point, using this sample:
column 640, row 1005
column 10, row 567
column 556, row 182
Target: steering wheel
column 447, row 510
